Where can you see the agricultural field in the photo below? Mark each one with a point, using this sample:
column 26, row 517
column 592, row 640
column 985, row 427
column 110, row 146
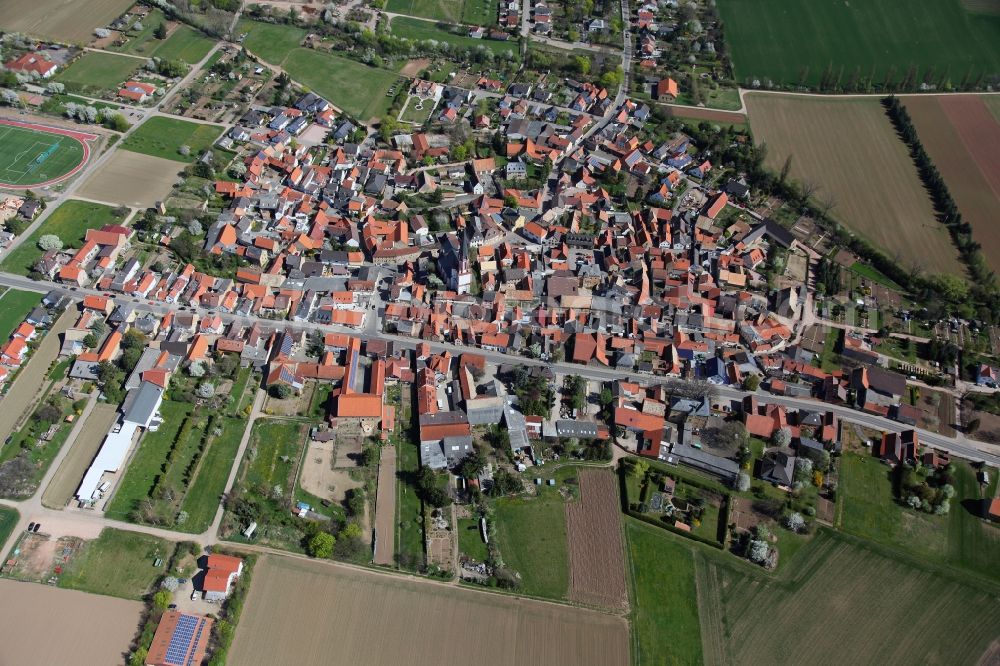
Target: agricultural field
column 14, row 307
column 201, row 501
column 864, row 588
column 311, row 612
column 57, row 19
column 356, row 88
column 91, row 629
column 793, row 42
column 962, row 138
column 132, row 179
column 848, row 149
column 33, row 157
column 531, row 536
column 960, row 539
column 594, row 533
column 95, row 73
column 665, row 618
column 414, row 28
column 471, row 12
column 163, row 137
column 118, row 564
column 70, row 221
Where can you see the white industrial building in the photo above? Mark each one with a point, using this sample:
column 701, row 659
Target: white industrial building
column 141, row 409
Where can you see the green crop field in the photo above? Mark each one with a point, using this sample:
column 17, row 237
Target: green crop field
column 836, row 600
column 30, row 157
column 793, row 41
column 665, row 625
column 95, row 73
column 472, row 12
column 119, row 564
column 960, row 539
column 69, row 222
column 14, row 307
column 531, row 535
column 414, row 28
column 356, row 88
column 163, row 137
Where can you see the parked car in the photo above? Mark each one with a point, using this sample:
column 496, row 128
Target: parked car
column 31, row 526
column 37, row 527
column 194, row 595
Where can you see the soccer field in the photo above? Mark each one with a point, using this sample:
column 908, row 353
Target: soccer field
column 33, row 157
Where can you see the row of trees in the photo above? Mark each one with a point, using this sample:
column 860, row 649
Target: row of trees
column 983, row 278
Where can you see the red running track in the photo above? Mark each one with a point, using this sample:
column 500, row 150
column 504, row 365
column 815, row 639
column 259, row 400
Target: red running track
column 81, row 137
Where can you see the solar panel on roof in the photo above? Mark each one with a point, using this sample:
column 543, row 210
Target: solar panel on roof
column 180, row 640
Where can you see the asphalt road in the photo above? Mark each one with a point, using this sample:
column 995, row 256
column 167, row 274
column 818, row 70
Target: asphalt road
column 958, row 446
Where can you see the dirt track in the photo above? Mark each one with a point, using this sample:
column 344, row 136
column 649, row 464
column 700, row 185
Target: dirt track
column 33, row 377
column 67, row 478
column 593, row 533
column 385, row 508
column 306, row 612
column 46, row 625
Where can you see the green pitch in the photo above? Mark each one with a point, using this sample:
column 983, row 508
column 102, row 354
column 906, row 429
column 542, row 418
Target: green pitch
column 31, row 157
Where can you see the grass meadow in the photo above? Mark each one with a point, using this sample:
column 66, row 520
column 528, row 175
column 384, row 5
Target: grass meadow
column 14, row 307
column 796, row 41
column 960, row 539
column 70, row 222
column 531, row 535
column 119, row 564
column 8, row 520
column 470, row 12
column 354, row 87
column 95, row 73
column 163, row 137
column 418, row 29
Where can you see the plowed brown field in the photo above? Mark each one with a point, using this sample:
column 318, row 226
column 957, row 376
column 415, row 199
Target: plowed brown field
column 302, row 612
column 962, row 138
column 850, row 151
column 594, row 533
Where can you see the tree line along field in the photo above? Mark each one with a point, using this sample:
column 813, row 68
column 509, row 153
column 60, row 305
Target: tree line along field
column 849, row 151
column 794, row 42
column 315, row 612
column 94, row 72
column 962, row 137
column 70, row 222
